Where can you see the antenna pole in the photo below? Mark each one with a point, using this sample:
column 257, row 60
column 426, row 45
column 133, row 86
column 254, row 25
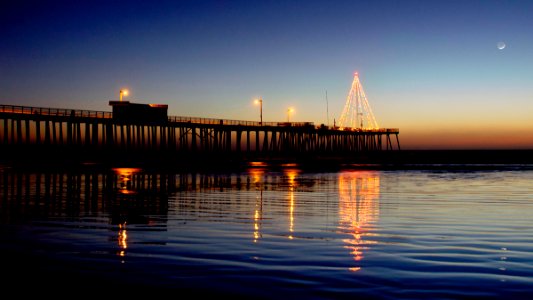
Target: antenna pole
column 327, row 108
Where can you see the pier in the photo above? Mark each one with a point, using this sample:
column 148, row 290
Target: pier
column 87, row 134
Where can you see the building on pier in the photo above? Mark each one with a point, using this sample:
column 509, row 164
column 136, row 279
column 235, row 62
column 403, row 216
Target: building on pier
column 139, row 112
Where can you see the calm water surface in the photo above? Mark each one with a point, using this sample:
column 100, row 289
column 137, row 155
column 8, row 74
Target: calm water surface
column 271, row 234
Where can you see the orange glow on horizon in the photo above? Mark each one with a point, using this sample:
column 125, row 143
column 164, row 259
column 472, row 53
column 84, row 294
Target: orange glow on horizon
column 467, row 139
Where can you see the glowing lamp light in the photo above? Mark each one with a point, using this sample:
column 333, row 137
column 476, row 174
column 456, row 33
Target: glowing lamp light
column 260, row 102
column 123, row 93
column 289, row 111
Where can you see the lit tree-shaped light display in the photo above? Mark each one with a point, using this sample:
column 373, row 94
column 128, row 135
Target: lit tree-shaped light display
column 357, row 112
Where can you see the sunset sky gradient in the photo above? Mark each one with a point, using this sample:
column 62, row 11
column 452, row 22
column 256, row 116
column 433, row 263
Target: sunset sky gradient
column 430, row 68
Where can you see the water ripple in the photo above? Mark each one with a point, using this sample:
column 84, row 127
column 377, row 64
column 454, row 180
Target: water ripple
column 260, row 234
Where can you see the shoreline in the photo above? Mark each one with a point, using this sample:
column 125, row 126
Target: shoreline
column 384, row 160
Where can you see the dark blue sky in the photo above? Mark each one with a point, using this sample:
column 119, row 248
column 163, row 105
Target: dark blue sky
column 427, row 67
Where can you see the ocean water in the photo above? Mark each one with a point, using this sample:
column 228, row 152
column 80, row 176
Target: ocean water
column 269, row 233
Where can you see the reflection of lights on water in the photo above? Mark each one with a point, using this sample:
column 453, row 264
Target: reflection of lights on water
column 122, row 239
column 289, row 165
column 291, row 213
column 257, row 177
column 358, row 209
column 291, row 175
column 125, row 176
column 257, row 217
column 257, row 164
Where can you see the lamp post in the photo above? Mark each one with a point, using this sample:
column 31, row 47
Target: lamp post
column 260, row 102
column 289, row 111
column 122, row 93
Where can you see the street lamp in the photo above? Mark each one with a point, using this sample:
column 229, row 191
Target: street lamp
column 260, row 102
column 122, row 93
column 289, row 111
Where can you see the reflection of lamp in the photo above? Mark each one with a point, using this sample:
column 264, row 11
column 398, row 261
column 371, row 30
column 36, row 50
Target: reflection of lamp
column 125, row 176
column 122, row 239
column 291, row 174
column 291, row 212
column 258, row 214
column 358, row 209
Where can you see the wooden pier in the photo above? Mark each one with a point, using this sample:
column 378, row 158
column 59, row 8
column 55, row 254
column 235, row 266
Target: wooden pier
column 95, row 134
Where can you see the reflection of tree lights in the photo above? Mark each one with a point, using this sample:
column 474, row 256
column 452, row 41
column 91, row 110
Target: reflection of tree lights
column 358, row 209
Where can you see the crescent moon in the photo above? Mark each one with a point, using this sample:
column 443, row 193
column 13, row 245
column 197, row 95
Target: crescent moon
column 501, row 45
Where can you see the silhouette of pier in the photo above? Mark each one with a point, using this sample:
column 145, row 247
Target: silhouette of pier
column 91, row 134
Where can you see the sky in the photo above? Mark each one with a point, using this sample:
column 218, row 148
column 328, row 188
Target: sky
column 433, row 68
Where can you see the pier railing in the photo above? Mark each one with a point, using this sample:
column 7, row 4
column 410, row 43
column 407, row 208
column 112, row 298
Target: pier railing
column 19, row 109
column 367, row 130
column 214, row 121
column 25, row 129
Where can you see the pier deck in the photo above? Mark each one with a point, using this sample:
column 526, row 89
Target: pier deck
column 98, row 134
